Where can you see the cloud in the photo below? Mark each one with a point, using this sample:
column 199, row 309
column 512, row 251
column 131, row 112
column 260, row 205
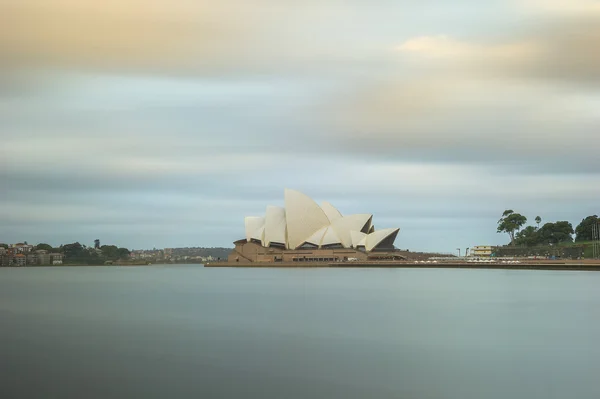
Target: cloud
column 202, row 37
column 178, row 38
column 129, row 34
column 561, row 47
column 463, row 57
column 445, row 119
column 560, row 7
column 525, row 99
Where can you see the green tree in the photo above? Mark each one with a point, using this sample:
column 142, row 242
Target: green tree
column 110, row 252
column 553, row 233
column 123, row 253
column 510, row 223
column 538, row 220
column 4, row 245
column 528, row 236
column 45, row 247
column 583, row 230
column 74, row 250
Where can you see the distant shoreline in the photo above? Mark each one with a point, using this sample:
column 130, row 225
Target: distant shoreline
column 110, row 265
column 589, row 265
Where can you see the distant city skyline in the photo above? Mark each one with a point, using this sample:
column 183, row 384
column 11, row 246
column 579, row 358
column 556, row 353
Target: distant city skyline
column 164, row 126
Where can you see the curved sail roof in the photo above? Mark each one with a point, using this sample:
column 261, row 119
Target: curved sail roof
column 344, row 225
column 379, row 236
column 357, row 238
column 253, row 223
column 331, row 212
column 304, row 221
column 303, row 216
column 324, row 236
column 259, row 235
column 330, row 237
column 275, row 225
column 316, row 237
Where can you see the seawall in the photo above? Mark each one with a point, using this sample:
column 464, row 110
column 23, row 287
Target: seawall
column 593, row 265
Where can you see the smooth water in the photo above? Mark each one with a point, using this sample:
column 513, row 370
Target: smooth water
column 191, row 332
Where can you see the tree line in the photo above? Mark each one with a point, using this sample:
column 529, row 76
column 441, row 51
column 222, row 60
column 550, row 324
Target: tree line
column 77, row 253
column 513, row 223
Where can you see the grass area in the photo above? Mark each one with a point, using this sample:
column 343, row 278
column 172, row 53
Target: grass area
column 572, row 244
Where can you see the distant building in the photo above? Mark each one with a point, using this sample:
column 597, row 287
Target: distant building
column 22, row 248
column 31, row 258
column 56, row 258
column 20, row 260
column 5, row 260
column 43, row 257
column 482, row 251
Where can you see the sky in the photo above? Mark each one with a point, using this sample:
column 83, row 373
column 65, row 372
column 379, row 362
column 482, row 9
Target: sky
column 162, row 123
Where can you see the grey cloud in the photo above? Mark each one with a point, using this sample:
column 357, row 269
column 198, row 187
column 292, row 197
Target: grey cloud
column 202, row 38
column 568, row 51
column 527, row 104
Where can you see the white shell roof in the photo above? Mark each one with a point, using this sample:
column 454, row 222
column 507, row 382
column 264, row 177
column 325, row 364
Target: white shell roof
column 260, row 235
column 253, row 223
column 357, row 238
column 304, row 217
column 324, row 236
column 378, row 236
column 317, row 237
column 275, row 225
column 343, row 226
column 331, row 212
column 302, row 220
column 330, row 237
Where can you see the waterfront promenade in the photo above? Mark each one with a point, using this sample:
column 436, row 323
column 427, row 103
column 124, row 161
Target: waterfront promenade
column 584, row 265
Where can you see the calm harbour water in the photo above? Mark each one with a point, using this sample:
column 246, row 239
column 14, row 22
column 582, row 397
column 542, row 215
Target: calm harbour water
column 190, row 332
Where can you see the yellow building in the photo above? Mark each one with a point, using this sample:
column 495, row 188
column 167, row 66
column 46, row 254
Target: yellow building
column 482, row 251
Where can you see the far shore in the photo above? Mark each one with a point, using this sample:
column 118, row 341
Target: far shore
column 527, row 264
column 112, row 264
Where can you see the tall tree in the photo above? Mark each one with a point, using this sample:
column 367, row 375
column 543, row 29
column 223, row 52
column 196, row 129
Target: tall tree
column 553, row 233
column 528, row 236
column 510, row 223
column 538, row 220
column 74, row 250
column 110, row 251
column 583, row 230
column 123, row 253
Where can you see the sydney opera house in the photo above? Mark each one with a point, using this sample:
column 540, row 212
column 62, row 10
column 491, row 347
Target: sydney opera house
column 303, row 231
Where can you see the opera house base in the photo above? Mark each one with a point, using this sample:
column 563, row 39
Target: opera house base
column 253, row 253
column 565, row 265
